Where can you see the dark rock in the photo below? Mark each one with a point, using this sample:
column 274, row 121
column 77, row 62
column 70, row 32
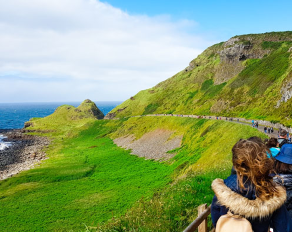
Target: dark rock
column 28, row 124
column 120, row 110
column 110, row 116
column 24, row 152
column 242, row 57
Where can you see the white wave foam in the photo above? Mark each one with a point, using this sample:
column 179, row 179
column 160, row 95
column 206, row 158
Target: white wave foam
column 4, row 145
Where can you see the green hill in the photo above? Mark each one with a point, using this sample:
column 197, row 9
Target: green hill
column 90, row 184
column 65, row 118
column 248, row 76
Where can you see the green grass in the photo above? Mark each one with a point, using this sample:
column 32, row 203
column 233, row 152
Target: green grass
column 271, row 45
column 201, row 149
column 87, row 180
column 205, row 154
column 173, row 208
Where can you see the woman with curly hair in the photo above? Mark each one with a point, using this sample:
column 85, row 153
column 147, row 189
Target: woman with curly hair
column 251, row 191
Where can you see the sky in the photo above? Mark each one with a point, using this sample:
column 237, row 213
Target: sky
column 109, row 50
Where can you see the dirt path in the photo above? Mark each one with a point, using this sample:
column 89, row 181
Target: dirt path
column 156, row 144
column 231, row 120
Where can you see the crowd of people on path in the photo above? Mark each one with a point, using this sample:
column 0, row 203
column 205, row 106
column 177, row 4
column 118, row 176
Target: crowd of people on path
column 268, row 130
column 259, row 189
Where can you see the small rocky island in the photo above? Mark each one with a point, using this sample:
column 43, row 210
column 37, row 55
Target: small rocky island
column 28, row 150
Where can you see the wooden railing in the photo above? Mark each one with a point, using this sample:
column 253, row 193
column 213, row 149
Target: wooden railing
column 200, row 222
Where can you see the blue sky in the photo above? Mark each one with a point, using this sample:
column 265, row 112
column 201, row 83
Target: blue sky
column 71, row 50
column 221, row 18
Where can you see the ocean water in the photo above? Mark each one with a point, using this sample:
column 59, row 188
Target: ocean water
column 14, row 115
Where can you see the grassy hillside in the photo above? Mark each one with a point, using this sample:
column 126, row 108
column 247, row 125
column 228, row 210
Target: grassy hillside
column 65, row 118
column 89, row 182
column 200, row 159
column 87, row 179
column 246, row 76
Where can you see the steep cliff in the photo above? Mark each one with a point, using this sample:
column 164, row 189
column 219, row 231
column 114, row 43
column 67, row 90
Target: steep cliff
column 247, row 76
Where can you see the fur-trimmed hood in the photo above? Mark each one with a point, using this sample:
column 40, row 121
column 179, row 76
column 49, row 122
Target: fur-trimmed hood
column 245, row 207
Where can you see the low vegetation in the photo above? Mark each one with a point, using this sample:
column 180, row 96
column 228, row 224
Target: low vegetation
column 86, row 180
column 88, row 183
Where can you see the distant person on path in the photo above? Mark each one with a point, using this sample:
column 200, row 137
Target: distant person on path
column 283, row 168
column 257, row 124
column 251, row 192
column 265, row 129
column 272, row 130
column 282, row 139
column 269, row 130
column 252, row 123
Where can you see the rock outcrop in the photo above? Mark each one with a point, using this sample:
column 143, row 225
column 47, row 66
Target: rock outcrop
column 286, row 90
column 90, row 109
column 235, row 51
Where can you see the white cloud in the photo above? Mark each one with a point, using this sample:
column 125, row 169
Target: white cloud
column 54, row 50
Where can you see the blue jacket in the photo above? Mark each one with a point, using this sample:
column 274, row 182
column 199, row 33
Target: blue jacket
column 274, row 151
column 261, row 214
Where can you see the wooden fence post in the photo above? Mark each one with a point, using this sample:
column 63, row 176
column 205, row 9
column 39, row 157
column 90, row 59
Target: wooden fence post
column 203, row 227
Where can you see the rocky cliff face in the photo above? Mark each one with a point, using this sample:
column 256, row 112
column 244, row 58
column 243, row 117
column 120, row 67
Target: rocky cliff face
column 234, row 52
column 286, row 90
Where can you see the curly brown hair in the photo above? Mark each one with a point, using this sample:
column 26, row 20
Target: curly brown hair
column 252, row 165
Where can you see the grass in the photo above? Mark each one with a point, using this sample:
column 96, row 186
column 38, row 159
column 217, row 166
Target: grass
column 89, row 182
column 85, row 181
column 173, row 208
column 200, row 160
column 201, row 147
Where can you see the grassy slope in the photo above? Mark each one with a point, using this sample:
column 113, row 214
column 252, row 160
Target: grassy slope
column 205, row 154
column 87, row 179
column 253, row 93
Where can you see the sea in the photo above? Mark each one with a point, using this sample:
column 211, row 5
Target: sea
column 14, row 115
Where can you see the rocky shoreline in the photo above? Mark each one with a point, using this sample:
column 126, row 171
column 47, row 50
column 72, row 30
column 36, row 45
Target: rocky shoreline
column 23, row 154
